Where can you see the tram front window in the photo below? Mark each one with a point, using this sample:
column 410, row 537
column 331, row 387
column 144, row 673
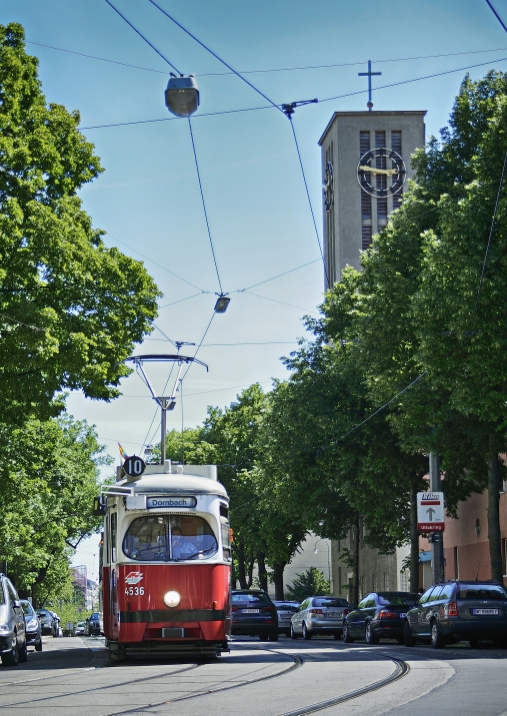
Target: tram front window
column 165, row 538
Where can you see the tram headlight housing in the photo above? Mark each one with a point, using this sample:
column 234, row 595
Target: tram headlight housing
column 172, row 599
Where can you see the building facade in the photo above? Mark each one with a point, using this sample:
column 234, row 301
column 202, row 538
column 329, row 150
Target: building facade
column 365, row 169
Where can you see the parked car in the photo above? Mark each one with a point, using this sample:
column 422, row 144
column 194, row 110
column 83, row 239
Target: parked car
column 285, row 610
column 254, row 614
column 80, row 628
column 449, row 612
column 319, row 615
column 380, row 615
column 92, row 624
column 33, row 630
column 12, row 625
column 48, row 623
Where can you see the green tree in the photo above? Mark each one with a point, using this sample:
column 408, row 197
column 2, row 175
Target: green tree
column 310, row 583
column 48, row 478
column 71, row 310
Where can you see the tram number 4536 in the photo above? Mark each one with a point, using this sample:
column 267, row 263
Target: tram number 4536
column 134, row 591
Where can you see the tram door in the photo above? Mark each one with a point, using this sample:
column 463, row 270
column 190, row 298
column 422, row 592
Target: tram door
column 113, row 591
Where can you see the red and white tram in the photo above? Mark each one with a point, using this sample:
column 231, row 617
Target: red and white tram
column 166, row 562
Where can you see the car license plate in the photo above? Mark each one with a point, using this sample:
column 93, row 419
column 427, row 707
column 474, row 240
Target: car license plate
column 402, row 615
column 286, row 616
column 485, row 612
column 333, row 615
column 251, row 611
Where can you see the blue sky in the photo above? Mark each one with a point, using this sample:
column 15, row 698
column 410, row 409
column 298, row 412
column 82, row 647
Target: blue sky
column 148, row 198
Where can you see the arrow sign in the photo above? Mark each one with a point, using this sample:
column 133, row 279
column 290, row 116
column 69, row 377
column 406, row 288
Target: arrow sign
column 430, row 512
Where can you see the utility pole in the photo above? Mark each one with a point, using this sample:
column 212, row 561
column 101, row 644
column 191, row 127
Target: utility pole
column 436, row 538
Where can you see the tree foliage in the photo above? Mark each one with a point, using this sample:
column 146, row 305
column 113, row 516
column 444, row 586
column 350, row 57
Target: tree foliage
column 310, row 583
column 49, row 476
column 71, row 309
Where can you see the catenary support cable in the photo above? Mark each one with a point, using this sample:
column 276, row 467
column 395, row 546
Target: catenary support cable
column 204, row 203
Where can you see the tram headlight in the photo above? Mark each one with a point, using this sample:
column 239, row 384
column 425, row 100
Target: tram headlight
column 172, row 599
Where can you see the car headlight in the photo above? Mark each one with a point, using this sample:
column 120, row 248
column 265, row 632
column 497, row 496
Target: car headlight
column 172, row 599
column 4, row 629
column 32, row 623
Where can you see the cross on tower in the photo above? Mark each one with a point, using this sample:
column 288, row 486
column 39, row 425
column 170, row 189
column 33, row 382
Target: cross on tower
column 369, row 74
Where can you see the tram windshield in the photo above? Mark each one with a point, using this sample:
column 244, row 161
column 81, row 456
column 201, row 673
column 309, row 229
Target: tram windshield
column 167, row 538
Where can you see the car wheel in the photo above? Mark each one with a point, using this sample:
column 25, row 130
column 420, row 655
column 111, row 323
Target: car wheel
column 38, row 646
column 369, row 634
column 337, row 636
column 263, row 637
column 273, row 636
column 293, row 634
column 11, row 658
column 23, row 653
column 474, row 643
column 437, row 640
column 307, row 634
column 346, row 635
column 408, row 639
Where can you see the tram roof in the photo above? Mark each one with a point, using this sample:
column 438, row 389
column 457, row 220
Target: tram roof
column 164, row 483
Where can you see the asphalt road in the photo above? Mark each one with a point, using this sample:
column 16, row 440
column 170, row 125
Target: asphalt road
column 73, row 677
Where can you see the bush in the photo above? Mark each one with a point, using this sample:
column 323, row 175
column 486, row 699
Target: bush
column 311, row 583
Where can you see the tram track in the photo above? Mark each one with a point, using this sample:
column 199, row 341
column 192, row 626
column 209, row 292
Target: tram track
column 98, row 688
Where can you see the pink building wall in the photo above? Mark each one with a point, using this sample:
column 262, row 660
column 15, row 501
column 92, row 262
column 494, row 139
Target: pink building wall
column 466, row 546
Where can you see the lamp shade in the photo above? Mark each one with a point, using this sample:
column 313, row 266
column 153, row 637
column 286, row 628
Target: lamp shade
column 182, row 96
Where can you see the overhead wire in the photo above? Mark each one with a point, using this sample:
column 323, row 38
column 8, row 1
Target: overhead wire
column 496, row 15
column 326, row 99
column 143, row 37
column 272, row 69
column 204, row 204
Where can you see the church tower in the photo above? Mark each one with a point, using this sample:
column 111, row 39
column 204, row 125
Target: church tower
column 365, row 168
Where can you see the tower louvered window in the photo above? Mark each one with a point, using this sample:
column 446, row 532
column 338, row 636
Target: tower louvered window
column 396, row 147
column 366, row 213
column 381, row 181
column 330, row 246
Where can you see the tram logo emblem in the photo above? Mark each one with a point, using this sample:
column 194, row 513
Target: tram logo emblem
column 133, row 577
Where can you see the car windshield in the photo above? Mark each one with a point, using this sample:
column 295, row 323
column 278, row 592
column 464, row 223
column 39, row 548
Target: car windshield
column 27, row 608
column 250, row 599
column 287, row 607
column 95, row 616
column 482, row 591
column 43, row 613
column 165, row 538
column 329, row 602
column 396, row 599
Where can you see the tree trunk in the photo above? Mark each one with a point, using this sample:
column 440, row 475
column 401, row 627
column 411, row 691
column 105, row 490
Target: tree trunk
column 278, row 568
column 495, row 548
column 414, row 540
column 354, row 591
column 261, row 571
column 250, row 572
column 240, row 554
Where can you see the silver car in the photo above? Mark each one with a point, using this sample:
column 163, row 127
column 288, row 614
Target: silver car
column 12, row 625
column 319, row 615
column 285, row 610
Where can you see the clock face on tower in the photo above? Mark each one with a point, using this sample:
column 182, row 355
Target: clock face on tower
column 381, row 172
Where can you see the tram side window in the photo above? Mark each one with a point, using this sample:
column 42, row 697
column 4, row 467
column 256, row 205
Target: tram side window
column 114, row 519
column 226, row 537
column 165, row 538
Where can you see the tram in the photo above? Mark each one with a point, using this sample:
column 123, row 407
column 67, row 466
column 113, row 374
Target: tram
column 166, row 562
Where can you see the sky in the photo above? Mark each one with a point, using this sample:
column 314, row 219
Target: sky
column 148, row 202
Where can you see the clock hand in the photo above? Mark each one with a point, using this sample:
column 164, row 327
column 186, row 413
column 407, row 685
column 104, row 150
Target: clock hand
column 374, row 170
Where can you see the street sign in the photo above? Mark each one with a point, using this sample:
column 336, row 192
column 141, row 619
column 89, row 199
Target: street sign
column 134, row 466
column 430, row 512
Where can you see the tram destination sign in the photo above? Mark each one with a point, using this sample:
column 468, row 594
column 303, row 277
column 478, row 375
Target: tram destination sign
column 171, row 502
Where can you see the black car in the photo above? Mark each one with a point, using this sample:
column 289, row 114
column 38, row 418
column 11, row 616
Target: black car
column 254, row 614
column 33, row 631
column 449, row 612
column 92, row 624
column 380, row 615
column 47, row 621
